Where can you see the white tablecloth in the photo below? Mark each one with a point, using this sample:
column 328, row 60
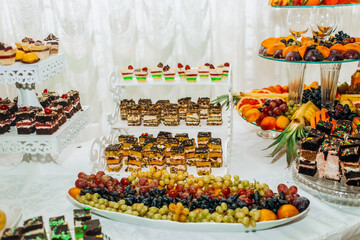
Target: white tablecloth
column 40, row 189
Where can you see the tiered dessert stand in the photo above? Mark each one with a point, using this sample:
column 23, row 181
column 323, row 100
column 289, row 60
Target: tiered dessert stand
column 205, row 87
column 327, row 190
column 38, row 147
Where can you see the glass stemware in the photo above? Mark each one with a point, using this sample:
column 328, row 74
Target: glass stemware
column 324, row 22
column 298, row 21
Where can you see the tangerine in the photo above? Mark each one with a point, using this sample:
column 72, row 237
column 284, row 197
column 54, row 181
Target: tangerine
column 286, row 211
column 267, row 215
column 74, row 192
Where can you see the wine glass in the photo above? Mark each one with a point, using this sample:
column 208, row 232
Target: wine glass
column 324, row 22
column 298, row 21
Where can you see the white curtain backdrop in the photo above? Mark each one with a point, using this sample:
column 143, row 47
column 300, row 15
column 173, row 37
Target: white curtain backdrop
column 98, row 35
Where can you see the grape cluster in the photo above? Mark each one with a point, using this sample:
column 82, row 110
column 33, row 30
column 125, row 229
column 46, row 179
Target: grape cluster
column 274, row 107
column 338, row 111
column 181, row 197
column 292, row 107
column 313, row 95
column 341, row 36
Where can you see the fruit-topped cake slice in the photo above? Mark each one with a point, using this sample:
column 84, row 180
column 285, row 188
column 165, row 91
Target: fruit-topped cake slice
column 25, row 121
column 25, row 44
column 189, row 148
column 46, row 122
column 214, row 114
column 225, row 67
column 125, row 105
column 7, row 54
column 45, row 101
column 141, row 74
column 193, row 115
column 177, row 161
column 169, row 73
column 12, row 233
column 134, row 116
column 203, row 138
column 135, row 159
column 204, row 104
column 59, row 110
column 75, row 99
column 171, row 115
column 181, row 71
column 204, row 71
column 33, row 227
column 52, row 95
column 66, row 103
column 5, row 100
column 53, row 41
column 157, row 71
column 182, row 137
column 5, row 121
column 40, row 49
column 151, row 116
column 191, row 73
column 183, row 106
column 80, row 216
column 327, row 160
column 215, row 73
column 127, row 72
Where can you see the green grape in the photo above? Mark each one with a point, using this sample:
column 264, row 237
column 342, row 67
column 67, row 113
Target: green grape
column 192, row 214
column 153, row 209
column 128, row 212
column 232, row 219
column 205, row 212
column 119, row 210
column 226, row 219
column 252, row 212
column 86, row 202
column 236, row 178
column 256, row 216
column 241, row 186
column 262, row 193
column 227, row 177
column 108, row 209
column 92, row 203
column 101, row 201
column 88, row 196
column 136, row 213
column 116, row 205
column 121, row 202
column 253, row 223
column 169, row 217
column 123, row 208
column 245, row 210
column 219, row 209
column 162, row 211
column 97, row 205
column 208, row 218
column 227, row 183
column 246, row 221
column 245, row 183
column 102, row 207
column 106, row 202
column 150, row 214
column 113, row 210
column 139, row 207
column 82, row 199
column 165, row 208
column 164, row 217
column 224, row 206
column 219, row 218
column 157, row 216
column 230, row 212
column 239, row 215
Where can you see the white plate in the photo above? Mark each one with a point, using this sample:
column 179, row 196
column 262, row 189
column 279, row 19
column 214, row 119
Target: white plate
column 13, row 215
column 201, row 227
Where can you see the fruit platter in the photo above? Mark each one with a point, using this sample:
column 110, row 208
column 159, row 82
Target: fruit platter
column 338, row 48
column 311, row 3
column 158, row 198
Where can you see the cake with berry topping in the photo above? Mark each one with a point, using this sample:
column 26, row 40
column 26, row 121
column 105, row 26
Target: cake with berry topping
column 127, row 72
column 225, row 67
column 204, row 71
column 5, row 100
column 204, row 104
column 12, row 109
column 141, row 74
column 53, row 41
column 75, row 99
column 214, row 114
column 67, row 105
column 157, row 71
column 59, row 110
column 5, row 121
column 7, row 54
column 40, row 49
column 143, row 137
column 177, row 161
column 135, row 159
column 169, row 73
column 25, row 121
column 215, row 73
column 191, row 74
column 52, row 95
column 171, row 115
column 46, row 122
column 181, row 71
column 25, row 44
column 45, row 101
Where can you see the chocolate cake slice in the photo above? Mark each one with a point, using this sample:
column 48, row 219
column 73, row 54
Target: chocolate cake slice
column 92, row 227
column 60, row 232
column 162, row 136
column 183, row 106
column 134, row 116
column 80, row 216
column 143, row 137
column 46, row 122
column 59, row 110
column 316, row 133
column 171, row 115
column 12, row 109
column 344, row 125
column 352, row 179
column 203, row 138
column 182, row 136
column 5, row 121
column 193, row 115
column 52, row 95
column 177, row 159
column 204, row 104
column 307, row 168
column 215, row 114
column 189, row 147
column 66, row 103
column 125, row 105
column 325, row 127
column 45, row 101
column 311, row 143
column 56, row 221
column 151, row 116
column 25, row 121
column 349, row 154
column 338, row 133
column 12, row 233
column 75, row 99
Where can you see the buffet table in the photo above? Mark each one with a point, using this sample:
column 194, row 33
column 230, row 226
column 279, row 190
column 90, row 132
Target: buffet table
column 40, row 189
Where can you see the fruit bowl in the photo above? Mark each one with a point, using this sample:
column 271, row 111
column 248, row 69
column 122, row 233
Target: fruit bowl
column 327, row 190
column 308, row 62
column 272, row 133
column 317, row 6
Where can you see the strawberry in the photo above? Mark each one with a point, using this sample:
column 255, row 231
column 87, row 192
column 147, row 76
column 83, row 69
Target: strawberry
column 180, row 65
column 130, row 67
column 24, row 109
column 187, row 67
column 4, row 107
column 228, row 64
column 144, row 69
column 45, row 91
column 48, row 110
column 65, row 96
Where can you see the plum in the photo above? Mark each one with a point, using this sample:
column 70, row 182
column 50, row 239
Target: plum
column 278, row 53
column 261, row 50
column 352, row 54
column 301, row 203
column 313, row 55
column 335, row 56
column 293, row 56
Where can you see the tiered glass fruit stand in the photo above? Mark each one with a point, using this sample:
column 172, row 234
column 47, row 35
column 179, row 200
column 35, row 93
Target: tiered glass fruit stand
column 38, row 147
column 327, row 190
column 201, row 88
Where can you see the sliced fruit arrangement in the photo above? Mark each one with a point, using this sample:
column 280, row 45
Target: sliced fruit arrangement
column 281, row 3
column 182, row 197
column 337, row 48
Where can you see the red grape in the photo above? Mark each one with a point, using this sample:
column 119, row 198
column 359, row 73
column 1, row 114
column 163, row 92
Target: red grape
column 210, row 190
column 105, row 178
column 87, row 184
column 98, row 180
column 77, row 183
column 111, row 189
column 115, row 181
column 284, row 107
column 265, row 109
column 185, row 195
column 226, row 191
column 101, row 185
column 108, row 184
column 293, row 190
column 172, row 193
column 270, row 113
column 249, row 192
column 282, row 188
column 143, row 189
column 279, row 101
column 154, row 183
column 213, row 196
column 143, row 181
column 193, row 189
column 277, row 111
column 242, row 192
column 124, row 181
column 273, row 105
column 92, row 176
column 82, row 175
column 186, row 190
column 100, row 173
column 169, row 187
column 247, row 201
column 269, row 193
column 179, row 188
column 289, row 198
column 93, row 185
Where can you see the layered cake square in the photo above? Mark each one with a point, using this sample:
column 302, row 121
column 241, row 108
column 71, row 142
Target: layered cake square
column 75, row 99
column 151, row 116
column 203, row 138
column 12, row 110
column 189, row 147
column 193, row 115
column 183, row 106
column 114, row 157
column 134, row 116
column 204, row 104
column 125, row 106
column 59, row 110
column 215, row 114
column 25, row 121
column 325, row 127
column 182, row 136
column 12, row 233
column 143, row 137
column 171, row 115
column 177, row 159
column 45, row 101
column 46, row 122
column 135, row 159
column 80, row 216
column 34, row 228
column 67, row 105
column 5, row 121
column 156, row 157
column 169, row 143
column 162, row 136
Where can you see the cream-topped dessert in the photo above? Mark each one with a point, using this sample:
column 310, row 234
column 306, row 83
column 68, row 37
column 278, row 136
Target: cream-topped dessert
column 7, row 54
column 215, row 73
column 157, row 72
column 204, row 70
column 53, row 41
column 191, row 73
column 141, row 74
column 169, row 73
column 40, row 49
column 181, row 71
column 127, row 72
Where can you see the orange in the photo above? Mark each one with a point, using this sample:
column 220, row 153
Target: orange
column 286, row 211
column 74, row 192
column 281, row 123
column 252, row 115
column 267, row 215
column 243, row 109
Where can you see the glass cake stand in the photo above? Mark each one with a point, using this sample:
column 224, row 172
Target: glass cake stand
column 327, row 190
column 267, row 134
column 319, row 6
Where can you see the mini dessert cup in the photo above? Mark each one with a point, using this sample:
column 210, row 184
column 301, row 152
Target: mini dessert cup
column 204, row 71
column 53, row 43
column 127, row 73
column 169, row 73
column 7, row 54
column 141, row 74
column 157, row 72
column 181, row 71
column 191, row 74
column 40, row 49
column 215, row 73
column 225, row 67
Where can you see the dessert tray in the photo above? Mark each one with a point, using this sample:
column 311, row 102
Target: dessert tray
column 328, row 190
column 316, row 6
column 14, row 143
column 308, row 62
column 13, row 215
column 197, row 227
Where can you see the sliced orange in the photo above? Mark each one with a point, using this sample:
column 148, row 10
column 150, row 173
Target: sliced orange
column 302, row 51
column 352, row 46
column 290, row 49
column 269, row 42
column 271, row 50
column 339, row 47
column 243, row 109
column 247, row 100
column 252, row 115
column 324, row 51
